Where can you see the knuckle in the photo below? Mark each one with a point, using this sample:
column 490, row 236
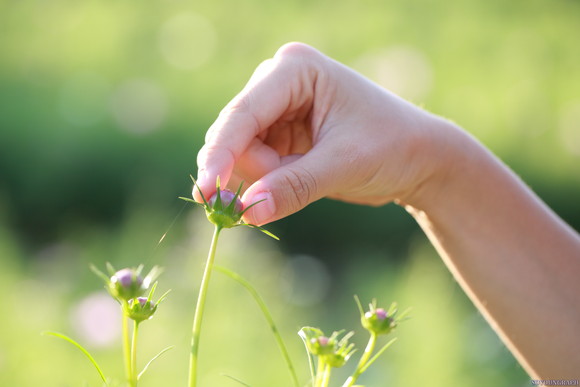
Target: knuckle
column 303, row 187
column 295, row 49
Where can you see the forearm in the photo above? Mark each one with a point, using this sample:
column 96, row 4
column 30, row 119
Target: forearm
column 516, row 260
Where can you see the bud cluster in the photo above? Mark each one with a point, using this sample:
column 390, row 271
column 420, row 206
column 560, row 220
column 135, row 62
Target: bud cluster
column 331, row 350
column 128, row 287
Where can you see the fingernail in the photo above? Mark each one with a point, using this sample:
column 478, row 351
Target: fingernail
column 263, row 211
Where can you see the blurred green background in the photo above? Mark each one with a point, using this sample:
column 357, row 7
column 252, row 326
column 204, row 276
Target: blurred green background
column 104, row 104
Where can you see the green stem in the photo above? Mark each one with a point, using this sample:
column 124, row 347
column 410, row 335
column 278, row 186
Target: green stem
column 126, row 344
column 326, row 376
column 320, row 371
column 197, row 319
column 133, row 380
column 363, row 361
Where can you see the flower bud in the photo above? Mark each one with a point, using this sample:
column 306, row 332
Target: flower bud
column 332, row 351
column 225, row 208
column 126, row 284
column 227, row 197
column 140, row 309
column 378, row 321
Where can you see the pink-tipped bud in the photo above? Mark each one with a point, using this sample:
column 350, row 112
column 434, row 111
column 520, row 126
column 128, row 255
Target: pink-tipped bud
column 126, row 284
column 381, row 314
column 323, row 341
column 226, row 197
column 127, row 277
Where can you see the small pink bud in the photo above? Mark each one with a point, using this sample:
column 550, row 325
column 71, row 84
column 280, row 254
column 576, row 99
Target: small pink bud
column 226, row 197
column 125, row 277
column 381, row 314
column 323, row 341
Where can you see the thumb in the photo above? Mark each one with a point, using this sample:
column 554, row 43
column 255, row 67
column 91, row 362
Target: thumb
column 290, row 188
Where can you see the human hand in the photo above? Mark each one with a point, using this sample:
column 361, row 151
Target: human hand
column 307, row 127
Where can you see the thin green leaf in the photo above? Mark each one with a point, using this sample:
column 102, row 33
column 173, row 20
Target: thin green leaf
column 110, row 269
column 261, row 229
column 163, row 297
column 152, row 360
column 152, row 291
column 360, row 308
column 236, row 380
column 99, row 273
column 404, row 315
column 189, row 200
column 139, row 270
column 250, row 206
column 267, row 315
column 83, row 350
column 379, row 353
column 199, row 190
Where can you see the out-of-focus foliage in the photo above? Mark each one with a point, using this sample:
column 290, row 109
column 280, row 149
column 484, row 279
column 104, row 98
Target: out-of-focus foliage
column 104, row 104
column 100, row 100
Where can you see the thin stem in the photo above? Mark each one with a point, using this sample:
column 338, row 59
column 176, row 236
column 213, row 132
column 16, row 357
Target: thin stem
column 326, row 376
column 319, row 371
column 197, row 319
column 126, row 344
column 133, row 380
column 363, row 361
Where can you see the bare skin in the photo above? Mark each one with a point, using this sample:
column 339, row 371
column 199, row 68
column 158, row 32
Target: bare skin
column 306, row 127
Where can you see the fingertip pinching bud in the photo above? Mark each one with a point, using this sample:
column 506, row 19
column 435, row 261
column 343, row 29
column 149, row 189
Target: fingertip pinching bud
column 226, row 197
column 225, row 208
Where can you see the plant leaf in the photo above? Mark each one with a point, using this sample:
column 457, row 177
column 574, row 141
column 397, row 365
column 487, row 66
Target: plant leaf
column 82, row 349
column 110, row 269
column 99, row 273
column 236, row 380
column 190, row 200
column 267, row 315
column 199, row 190
column 360, row 308
column 261, row 229
column 379, row 353
column 152, row 360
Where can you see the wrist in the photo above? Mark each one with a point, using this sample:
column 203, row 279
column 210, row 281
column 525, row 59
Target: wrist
column 444, row 154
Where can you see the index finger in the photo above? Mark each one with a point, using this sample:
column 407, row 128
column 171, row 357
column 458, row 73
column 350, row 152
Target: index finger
column 276, row 87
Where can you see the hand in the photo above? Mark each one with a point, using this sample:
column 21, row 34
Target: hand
column 307, row 127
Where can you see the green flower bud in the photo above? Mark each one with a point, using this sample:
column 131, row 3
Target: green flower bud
column 126, row 284
column 378, row 322
column 141, row 309
column 332, row 351
column 224, row 208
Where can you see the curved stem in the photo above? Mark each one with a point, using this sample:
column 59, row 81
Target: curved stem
column 133, row 380
column 267, row 315
column 126, row 344
column 197, row 319
column 363, row 361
